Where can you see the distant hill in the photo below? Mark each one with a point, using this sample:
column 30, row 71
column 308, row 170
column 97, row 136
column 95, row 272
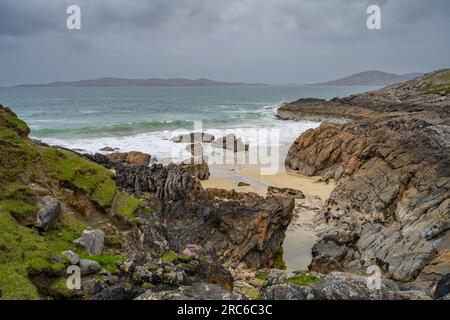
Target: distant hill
column 120, row 82
column 371, row 78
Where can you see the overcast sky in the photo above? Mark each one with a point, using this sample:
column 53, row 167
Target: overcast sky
column 272, row 41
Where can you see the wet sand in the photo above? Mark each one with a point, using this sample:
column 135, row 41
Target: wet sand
column 300, row 235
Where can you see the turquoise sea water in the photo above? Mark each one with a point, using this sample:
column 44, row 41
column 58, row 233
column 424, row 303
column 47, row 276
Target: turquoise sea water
column 144, row 118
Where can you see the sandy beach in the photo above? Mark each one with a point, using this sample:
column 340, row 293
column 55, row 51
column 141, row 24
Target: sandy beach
column 300, row 235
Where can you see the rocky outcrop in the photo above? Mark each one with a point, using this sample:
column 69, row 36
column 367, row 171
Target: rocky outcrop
column 391, row 205
column 115, row 159
column 426, row 97
column 286, row 192
column 197, row 166
column 443, row 287
column 196, row 149
column 49, row 210
column 392, row 172
column 235, row 228
column 342, row 286
column 194, row 137
column 133, row 158
column 230, row 142
column 88, row 267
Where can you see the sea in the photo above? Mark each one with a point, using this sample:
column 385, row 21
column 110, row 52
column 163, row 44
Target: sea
column 144, row 119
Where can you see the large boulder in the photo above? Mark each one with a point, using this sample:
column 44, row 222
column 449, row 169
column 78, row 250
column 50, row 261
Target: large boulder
column 197, row 166
column 443, row 287
column 230, row 142
column 49, row 210
column 88, row 267
column 133, row 158
column 196, row 149
column 194, row 137
column 115, row 159
column 91, row 240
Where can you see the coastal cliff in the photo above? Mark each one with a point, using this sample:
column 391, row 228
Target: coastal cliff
column 391, row 160
column 421, row 98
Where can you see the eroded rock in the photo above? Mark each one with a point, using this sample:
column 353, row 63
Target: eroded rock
column 91, row 240
column 49, row 210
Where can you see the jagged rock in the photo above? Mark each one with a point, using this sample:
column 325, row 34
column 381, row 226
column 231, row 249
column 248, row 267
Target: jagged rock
column 116, row 159
column 88, row 267
column 193, row 137
column 197, row 166
column 392, row 166
column 230, row 142
column 196, row 149
column 405, row 255
column 92, row 241
column 109, row 149
column 435, row 270
column 100, row 159
column 243, row 184
column 133, row 158
column 443, row 287
column 238, row 228
column 235, row 228
column 389, row 171
column 118, row 292
column 49, row 210
column 342, row 286
column 330, row 249
column 286, row 192
column 198, row 291
column 73, row 258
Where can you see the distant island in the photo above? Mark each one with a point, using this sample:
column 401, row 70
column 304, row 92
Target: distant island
column 154, row 82
column 370, row 78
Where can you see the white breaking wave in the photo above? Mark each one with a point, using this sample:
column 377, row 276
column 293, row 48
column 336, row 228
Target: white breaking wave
column 158, row 144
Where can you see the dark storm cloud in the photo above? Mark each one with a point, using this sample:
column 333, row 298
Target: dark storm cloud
column 248, row 40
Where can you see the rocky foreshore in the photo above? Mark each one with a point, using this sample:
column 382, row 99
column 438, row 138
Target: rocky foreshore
column 136, row 229
column 391, row 161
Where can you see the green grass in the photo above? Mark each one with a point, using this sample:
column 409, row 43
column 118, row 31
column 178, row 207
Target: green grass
column 15, row 152
column 251, row 292
column 169, row 256
column 92, row 178
column 113, row 240
column 278, row 262
column 437, row 83
column 126, row 206
column 25, row 253
column 108, row 261
column 262, row 276
column 304, row 280
column 68, row 229
column 21, row 249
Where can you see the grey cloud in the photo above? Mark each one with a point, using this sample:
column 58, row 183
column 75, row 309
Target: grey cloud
column 246, row 40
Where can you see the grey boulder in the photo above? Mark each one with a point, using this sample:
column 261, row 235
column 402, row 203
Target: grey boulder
column 49, row 210
column 91, row 240
column 71, row 256
column 88, row 267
